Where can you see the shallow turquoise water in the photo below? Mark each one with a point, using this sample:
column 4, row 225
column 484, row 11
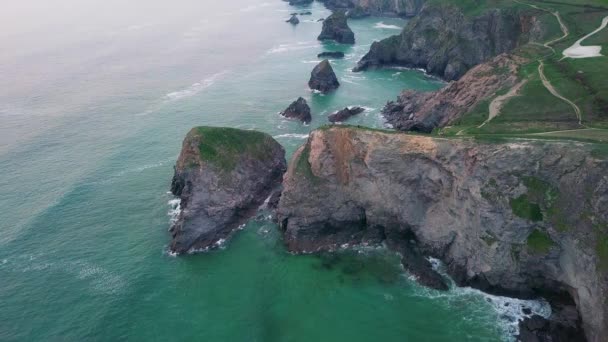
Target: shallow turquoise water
column 95, row 104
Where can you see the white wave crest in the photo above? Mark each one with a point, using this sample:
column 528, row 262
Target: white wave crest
column 174, row 211
column 195, row 88
column 382, row 25
column 291, row 135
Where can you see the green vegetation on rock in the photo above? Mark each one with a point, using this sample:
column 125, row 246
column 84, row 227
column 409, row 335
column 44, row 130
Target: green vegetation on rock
column 224, row 146
column 523, row 208
column 539, row 242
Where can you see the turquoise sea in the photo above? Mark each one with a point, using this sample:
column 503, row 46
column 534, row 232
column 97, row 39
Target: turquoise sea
column 96, row 98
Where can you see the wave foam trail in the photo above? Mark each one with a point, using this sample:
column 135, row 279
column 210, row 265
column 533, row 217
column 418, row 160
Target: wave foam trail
column 291, row 135
column 281, row 48
column 175, row 209
column 382, row 25
column 195, row 88
column 509, row 311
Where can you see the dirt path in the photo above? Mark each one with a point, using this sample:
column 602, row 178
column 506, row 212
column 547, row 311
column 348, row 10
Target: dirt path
column 498, row 102
column 554, row 92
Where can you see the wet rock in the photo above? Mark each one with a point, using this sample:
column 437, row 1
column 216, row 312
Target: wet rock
column 345, row 114
column 298, row 110
column 331, row 54
column 323, row 78
column 293, row 20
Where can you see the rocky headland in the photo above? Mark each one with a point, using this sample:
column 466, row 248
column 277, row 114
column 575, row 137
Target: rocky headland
column 521, row 218
column 323, row 78
column 222, row 176
column 446, row 42
column 335, row 27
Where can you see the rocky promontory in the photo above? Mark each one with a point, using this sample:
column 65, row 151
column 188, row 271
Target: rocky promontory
column 323, row 78
column 521, row 218
column 446, row 42
column 298, row 110
column 222, row 176
column 335, row 27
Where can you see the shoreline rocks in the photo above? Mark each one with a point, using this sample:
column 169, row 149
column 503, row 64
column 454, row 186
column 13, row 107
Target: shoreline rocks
column 335, row 27
column 222, row 176
column 504, row 218
column 345, row 114
column 323, row 78
column 298, row 110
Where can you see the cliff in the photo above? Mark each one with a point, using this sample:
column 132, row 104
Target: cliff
column 522, row 218
column 446, row 42
column 222, row 176
column 425, row 111
column 402, row 8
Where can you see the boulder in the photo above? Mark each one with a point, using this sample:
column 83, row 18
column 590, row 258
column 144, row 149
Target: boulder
column 323, row 78
column 299, row 110
column 335, row 27
column 345, row 114
column 222, row 176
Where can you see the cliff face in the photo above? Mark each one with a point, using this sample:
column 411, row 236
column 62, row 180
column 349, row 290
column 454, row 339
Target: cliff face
column 519, row 218
column 447, row 43
column 222, row 176
column 402, row 8
column 424, row 111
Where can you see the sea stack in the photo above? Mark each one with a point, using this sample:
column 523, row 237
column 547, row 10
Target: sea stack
column 335, row 27
column 222, row 176
column 298, row 110
column 294, row 20
column 323, row 78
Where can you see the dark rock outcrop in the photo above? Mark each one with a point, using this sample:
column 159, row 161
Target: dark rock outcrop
column 521, row 218
column 299, row 2
column 298, row 110
column 425, row 111
column 293, row 20
column 323, row 78
column 222, row 177
column 331, row 54
column 446, row 42
column 335, row 27
column 401, row 8
column 345, row 114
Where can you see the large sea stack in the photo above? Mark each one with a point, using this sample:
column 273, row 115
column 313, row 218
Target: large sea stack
column 222, row 177
column 323, row 78
column 525, row 218
column 335, row 27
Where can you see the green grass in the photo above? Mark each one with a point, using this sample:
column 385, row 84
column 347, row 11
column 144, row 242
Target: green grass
column 223, row 146
column 303, row 167
column 539, row 242
column 523, row 208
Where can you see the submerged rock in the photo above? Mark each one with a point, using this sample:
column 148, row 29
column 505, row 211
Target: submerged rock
column 299, row 110
column 345, row 114
column 222, row 176
column 323, row 78
column 335, row 27
column 293, row 20
column 503, row 217
column 331, row 54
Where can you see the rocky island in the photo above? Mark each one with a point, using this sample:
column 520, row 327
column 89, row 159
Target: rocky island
column 335, row 27
column 222, row 176
column 323, row 78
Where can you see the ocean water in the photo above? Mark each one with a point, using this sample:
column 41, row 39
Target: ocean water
column 96, row 99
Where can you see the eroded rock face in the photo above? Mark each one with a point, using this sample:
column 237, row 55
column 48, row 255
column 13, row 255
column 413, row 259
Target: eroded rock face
column 518, row 218
column 447, row 43
column 424, row 111
column 298, row 110
column 222, row 177
column 335, row 27
column 323, row 78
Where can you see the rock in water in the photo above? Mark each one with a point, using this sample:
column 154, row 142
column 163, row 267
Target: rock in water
column 335, row 27
column 299, row 2
column 323, row 78
column 293, row 20
column 299, row 110
column 222, row 177
column 345, row 114
column 331, row 54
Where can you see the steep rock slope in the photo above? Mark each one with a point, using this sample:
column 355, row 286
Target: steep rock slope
column 222, row 176
column 446, row 42
column 520, row 218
